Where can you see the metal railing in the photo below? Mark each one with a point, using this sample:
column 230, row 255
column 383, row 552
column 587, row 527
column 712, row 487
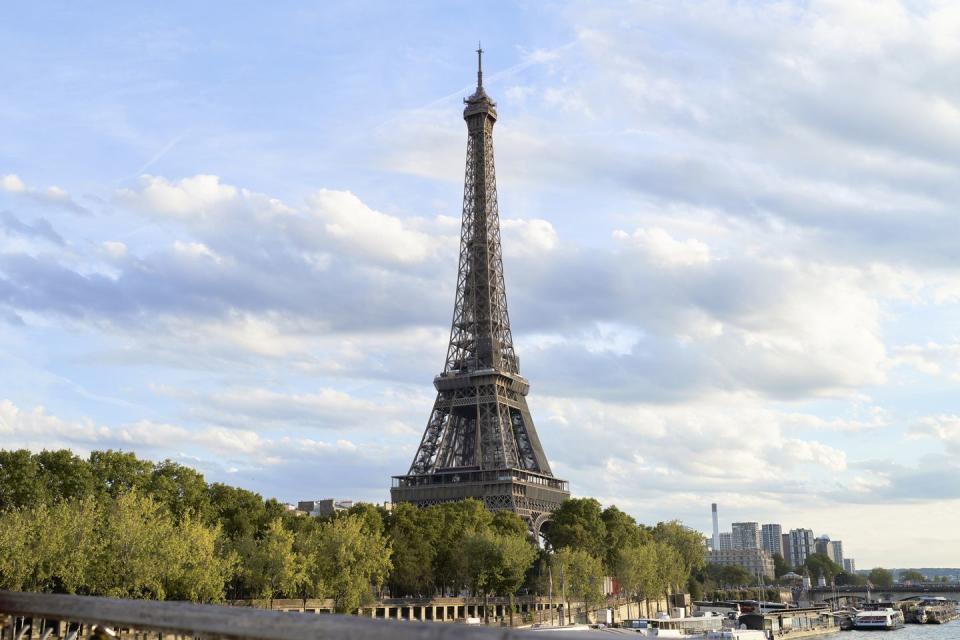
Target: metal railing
column 44, row 616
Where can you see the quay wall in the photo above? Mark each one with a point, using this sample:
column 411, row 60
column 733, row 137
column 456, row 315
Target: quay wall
column 527, row 609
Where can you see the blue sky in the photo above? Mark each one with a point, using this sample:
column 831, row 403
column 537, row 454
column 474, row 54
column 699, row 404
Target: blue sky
column 228, row 236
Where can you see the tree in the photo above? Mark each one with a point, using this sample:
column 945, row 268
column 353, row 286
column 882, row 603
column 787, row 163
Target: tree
column 850, row 579
column 199, row 564
column 20, row 484
column 780, row 566
column 64, row 475
column 735, row 576
column 348, row 558
column 135, row 551
column 820, row 565
column 413, row 552
column 117, row 472
column 274, row 568
column 508, row 523
column 580, row 575
column 622, row 531
column 577, row 524
column 636, row 571
column 688, row 545
column 516, row 556
column 912, row 575
column 881, row 577
column 497, row 563
column 181, row 489
column 671, row 571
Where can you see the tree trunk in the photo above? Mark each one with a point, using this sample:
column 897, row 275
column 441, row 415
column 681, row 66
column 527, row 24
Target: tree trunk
column 486, row 609
column 511, row 611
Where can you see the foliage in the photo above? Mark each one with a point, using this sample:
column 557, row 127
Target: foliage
column 850, row 579
column 687, row 543
column 272, row 567
column 911, row 575
column 636, row 570
column 577, row 524
column 112, row 524
column 780, row 566
column 820, row 565
column 580, row 575
column 881, row 577
column 346, row 559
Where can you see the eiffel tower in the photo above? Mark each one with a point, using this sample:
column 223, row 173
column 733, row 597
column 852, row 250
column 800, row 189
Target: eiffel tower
column 480, row 441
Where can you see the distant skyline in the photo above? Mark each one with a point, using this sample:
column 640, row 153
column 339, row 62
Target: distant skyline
column 228, row 236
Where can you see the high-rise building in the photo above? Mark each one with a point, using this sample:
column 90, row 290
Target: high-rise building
column 785, row 544
column 480, row 441
column 746, row 535
column 757, row 561
column 771, row 539
column 822, row 545
column 716, row 526
column 849, row 565
column 836, row 551
column 724, row 541
column 802, row 545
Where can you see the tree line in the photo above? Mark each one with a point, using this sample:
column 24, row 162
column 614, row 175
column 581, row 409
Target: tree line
column 113, row 524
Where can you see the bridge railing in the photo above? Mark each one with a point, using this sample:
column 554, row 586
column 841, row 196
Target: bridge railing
column 43, row 616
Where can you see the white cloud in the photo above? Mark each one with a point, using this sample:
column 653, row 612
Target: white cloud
column 358, row 228
column 196, row 196
column 52, row 196
column 664, row 249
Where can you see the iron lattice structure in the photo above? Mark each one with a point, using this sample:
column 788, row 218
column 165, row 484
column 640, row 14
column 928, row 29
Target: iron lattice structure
column 480, row 441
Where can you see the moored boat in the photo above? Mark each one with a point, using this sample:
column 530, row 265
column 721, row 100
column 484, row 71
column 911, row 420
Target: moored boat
column 878, row 620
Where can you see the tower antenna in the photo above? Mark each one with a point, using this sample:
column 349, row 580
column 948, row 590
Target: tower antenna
column 479, row 65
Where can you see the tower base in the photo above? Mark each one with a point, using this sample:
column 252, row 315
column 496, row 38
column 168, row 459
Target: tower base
column 532, row 496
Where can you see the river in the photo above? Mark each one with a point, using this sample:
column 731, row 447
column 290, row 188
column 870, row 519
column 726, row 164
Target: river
column 949, row 631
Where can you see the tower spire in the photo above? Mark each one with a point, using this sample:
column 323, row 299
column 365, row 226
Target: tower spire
column 479, row 65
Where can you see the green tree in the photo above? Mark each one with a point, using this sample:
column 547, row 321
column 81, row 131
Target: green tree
column 580, row 575
column 274, row 568
column 881, row 577
column 413, row 552
column 736, row 576
column 509, row 524
column 850, row 579
column 349, row 559
column 622, row 532
column 912, row 575
column 199, row 564
column 687, row 543
column 64, row 475
column 117, row 472
column 20, row 480
column 497, row 563
column 820, row 565
column 636, row 571
column 671, row 571
column 135, row 551
column 780, row 566
column 517, row 554
column 577, row 524
column 181, row 489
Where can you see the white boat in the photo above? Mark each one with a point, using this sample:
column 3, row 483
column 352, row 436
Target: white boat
column 878, row 620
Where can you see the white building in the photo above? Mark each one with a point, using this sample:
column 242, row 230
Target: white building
column 849, row 565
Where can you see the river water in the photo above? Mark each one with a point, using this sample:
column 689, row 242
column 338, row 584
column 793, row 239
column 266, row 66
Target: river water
column 949, row 631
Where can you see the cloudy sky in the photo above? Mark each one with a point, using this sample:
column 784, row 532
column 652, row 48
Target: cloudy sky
column 228, row 237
